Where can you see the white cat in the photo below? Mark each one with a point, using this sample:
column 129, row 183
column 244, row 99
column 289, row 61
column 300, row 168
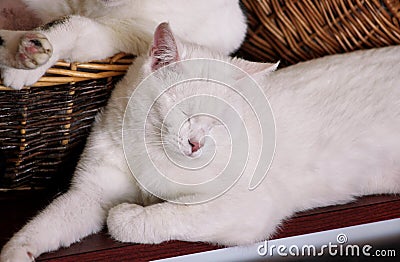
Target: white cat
column 84, row 30
column 337, row 130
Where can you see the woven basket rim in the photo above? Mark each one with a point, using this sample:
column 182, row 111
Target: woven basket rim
column 64, row 72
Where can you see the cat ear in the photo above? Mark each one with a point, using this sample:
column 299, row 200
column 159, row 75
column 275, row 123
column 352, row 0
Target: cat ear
column 254, row 68
column 164, row 50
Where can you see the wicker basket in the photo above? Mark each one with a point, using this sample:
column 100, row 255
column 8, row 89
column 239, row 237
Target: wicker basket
column 43, row 128
column 298, row 30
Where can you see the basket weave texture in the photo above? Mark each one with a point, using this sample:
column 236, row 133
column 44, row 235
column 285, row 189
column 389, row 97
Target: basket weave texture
column 299, row 30
column 43, row 128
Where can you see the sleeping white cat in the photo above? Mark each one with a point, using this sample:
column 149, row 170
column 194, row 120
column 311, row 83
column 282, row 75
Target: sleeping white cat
column 84, row 30
column 337, row 129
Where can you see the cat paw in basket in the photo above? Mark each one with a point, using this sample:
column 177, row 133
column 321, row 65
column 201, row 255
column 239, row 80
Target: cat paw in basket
column 29, row 63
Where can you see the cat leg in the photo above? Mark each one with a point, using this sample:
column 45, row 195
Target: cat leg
column 66, row 220
column 220, row 221
column 25, row 56
column 76, row 214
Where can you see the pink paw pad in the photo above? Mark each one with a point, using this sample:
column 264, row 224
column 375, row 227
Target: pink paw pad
column 34, row 50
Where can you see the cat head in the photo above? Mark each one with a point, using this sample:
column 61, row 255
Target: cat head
column 187, row 125
column 191, row 127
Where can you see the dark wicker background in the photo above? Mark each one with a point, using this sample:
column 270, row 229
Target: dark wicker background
column 299, row 30
column 43, row 131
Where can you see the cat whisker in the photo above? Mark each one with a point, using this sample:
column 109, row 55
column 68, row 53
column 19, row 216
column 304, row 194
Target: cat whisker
column 162, row 128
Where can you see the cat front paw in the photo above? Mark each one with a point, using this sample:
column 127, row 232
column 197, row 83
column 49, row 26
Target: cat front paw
column 34, row 50
column 123, row 221
column 130, row 223
column 16, row 253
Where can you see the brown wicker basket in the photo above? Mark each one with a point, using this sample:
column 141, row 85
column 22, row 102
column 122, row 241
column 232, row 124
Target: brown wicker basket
column 298, row 30
column 43, row 128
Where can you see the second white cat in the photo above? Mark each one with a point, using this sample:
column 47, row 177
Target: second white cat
column 85, row 30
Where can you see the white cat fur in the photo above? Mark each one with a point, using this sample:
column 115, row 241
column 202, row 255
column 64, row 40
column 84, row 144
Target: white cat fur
column 338, row 125
column 96, row 29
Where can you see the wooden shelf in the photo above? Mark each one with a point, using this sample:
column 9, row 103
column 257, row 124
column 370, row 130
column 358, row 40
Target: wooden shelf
column 21, row 206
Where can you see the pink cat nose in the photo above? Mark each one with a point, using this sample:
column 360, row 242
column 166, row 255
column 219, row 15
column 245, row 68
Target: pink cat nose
column 195, row 145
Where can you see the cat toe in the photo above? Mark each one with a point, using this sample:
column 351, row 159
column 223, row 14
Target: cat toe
column 34, row 50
